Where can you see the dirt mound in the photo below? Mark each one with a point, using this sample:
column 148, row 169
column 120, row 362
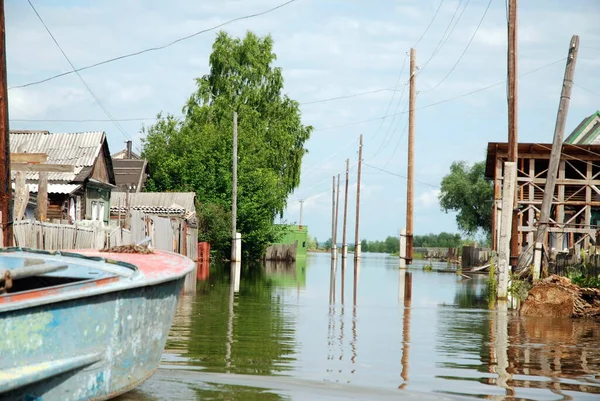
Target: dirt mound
column 557, row 297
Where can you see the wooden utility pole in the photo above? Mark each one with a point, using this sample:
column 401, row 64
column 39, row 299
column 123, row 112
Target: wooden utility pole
column 234, row 237
column 513, row 142
column 301, row 206
column 6, row 209
column 337, row 209
column 333, row 246
column 356, row 236
column 559, row 131
column 508, row 194
column 344, row 243
column 411, row 159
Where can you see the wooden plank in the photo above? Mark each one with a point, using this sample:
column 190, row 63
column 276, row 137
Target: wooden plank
column 49, row 168
column 41, row 210
column 28, row 157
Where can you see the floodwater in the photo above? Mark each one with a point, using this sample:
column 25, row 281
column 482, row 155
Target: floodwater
column 305, row 332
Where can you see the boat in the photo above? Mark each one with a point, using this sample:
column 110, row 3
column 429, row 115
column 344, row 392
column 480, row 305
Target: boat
column 86, row 324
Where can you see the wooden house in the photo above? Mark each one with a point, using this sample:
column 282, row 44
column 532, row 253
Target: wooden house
column 83, row 194
column 131, row 171
column 575, row 211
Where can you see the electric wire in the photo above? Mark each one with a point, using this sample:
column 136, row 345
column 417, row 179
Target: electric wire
column 444, row 39
column 117, row 125
column 464, row 51
column 156, row 48
column 430, row 23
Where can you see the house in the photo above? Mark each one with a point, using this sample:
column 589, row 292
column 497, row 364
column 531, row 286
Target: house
column 587, row 132
column 131, row 171
column 575, row 210
column 84, row 194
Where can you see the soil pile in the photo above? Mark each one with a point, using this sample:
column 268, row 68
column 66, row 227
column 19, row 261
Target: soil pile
column 556, row 296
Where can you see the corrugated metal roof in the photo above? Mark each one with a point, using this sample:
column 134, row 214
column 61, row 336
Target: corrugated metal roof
column 54, row 188
column 156, row 199
column 78, row 149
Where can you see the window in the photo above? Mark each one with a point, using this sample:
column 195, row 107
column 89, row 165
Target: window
column 94, row 210
column 101, row 211
column 304, row 244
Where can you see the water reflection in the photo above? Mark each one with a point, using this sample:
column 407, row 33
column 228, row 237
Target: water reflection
column 405, row 288
column 436, row 331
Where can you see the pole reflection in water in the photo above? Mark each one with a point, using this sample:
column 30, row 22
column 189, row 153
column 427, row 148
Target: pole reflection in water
column 501, row 351
column 405, row 287
column 354, row 318
column 331, row 325
column 343, row 279
column 236, row 269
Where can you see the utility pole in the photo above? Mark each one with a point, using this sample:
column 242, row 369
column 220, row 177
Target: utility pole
column 333, row 246
column 337, row 207
column 344, row 243
column 301, row 206
column 411, row 159
column 559, row 131
column 356, row 237
column 5, row 178
column 513, row 142
column 234, row 237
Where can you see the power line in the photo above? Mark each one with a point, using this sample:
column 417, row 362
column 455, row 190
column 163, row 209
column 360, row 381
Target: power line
column 156, row 48
column 348, row 96
column 78, row 74
column 464, row 51
column 400, row 175
column 323, row 128
column 586, row 89
column 430, row 23
column 445, row 100
column 444, row 39
column 393, row 95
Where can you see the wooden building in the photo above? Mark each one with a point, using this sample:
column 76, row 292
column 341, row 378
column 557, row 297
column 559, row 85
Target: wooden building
column 81, row 195
column 131, row 171
column 575, row 212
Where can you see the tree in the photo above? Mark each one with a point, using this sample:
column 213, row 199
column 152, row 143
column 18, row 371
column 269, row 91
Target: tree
column 195, row 154
column 327, row 244
column 466, row 191
column 364, row 246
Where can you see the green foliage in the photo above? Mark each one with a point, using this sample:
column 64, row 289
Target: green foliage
column 196, row 154
column 441, row 240
column 518, row 288
column 492, row 282
column 312, row 243
column 428, row 268
column 466, row 191
column 389, row 245
column 327, row 244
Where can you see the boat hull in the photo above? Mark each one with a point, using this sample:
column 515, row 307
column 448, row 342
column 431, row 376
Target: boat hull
column 90, row 348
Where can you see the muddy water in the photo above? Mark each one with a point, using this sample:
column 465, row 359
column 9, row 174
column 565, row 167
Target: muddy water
column 306, row 332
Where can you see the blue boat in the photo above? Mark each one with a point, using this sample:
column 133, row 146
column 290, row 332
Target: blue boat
column 88, row 325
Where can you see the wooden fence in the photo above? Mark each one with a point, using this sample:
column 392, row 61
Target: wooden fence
column 51, row 236
column 168, row 234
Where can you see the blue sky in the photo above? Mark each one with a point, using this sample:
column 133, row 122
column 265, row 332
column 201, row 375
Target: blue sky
column 326, row 49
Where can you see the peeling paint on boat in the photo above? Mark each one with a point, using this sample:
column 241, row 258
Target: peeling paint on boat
column 125, row 322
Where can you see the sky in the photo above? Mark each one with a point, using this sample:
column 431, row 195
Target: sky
column 327, row 49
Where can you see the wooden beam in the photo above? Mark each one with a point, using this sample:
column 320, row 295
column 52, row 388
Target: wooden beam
column 28, row 157
column 41, row 210
column 48, row 168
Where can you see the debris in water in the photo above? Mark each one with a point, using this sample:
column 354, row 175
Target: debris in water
column 143, row 249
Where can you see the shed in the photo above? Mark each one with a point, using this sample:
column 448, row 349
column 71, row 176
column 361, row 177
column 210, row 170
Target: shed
column 82, row 194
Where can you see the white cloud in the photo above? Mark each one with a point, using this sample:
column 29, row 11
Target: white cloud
column 427, row 199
